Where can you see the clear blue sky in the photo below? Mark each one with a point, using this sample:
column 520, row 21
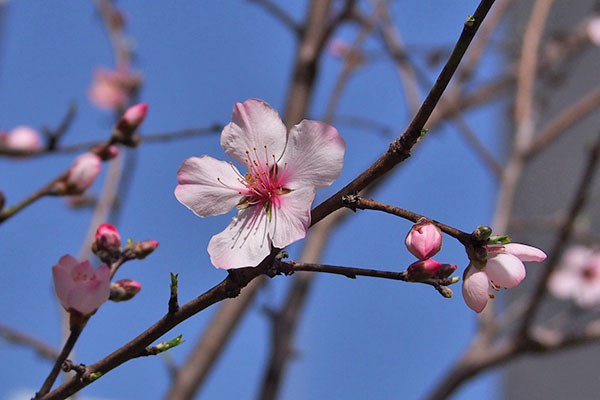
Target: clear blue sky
column 358, row 339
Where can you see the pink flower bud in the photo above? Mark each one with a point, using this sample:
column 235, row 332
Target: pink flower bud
column 79, row 287
column 83, row 172
column 105, row 153
column 423, row 269
column 111, row 89
column 107, row 237
column 144, row 248
column 135, row 115
column 23, row 138
column 424, row 240
column 124, row 289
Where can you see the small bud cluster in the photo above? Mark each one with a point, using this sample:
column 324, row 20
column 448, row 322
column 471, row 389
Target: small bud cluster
column 424, row 240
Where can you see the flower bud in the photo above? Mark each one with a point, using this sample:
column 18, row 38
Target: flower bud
column 107, row 238
column 124, row 289
column 422, row 270
column 424, row 239
column 144, row 248
column 23, row 138
column 105, row 153
column 482, row 233
column 83, row 173
column 446, row 270
column 129, row 122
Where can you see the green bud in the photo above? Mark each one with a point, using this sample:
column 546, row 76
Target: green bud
column 482, row 233
column 169, row 344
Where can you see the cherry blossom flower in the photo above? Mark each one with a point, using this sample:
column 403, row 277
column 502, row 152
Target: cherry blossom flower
column 79, row 287
column 23, row 138
column 504, row 268
column 110, row 89
column 424, row 239
column 578, row 277
column 274, row 197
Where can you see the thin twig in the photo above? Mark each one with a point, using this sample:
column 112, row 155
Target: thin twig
column 40, row 348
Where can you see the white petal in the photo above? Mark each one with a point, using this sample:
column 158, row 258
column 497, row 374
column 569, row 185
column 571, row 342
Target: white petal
column 314, row 155
column 200, row 191
column 291, row 219
column 475, row 289
column 524, row 252
column 244, row 243
column 254, row 125
column 505, row 270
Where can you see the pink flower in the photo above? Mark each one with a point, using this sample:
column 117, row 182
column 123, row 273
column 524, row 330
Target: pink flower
column 107, row 237
column 78, row 287
column 578, row 277
column 110, row 90
column 84, row 171
column 23, row 138
column 274, row 197
column 504, row 268
column 424, row 240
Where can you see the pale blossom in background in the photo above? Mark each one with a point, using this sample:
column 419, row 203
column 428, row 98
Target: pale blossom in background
column 84, row 171
column 593, row 30
column 424, row 240
column 504, row 269
column 79, row 287
column 275, row 196
column 577, row 277
column 110, row 90
column 23, row 138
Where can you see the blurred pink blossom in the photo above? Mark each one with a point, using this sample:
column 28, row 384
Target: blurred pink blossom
column 83, row 172
column 79, row 287
column 424, row 240
column 504, row 268
column 337, row 48
column 135, row 115
column 23, row 138
column 110, row 90
column 593, row 30
column 578, row 277
column 275, row 196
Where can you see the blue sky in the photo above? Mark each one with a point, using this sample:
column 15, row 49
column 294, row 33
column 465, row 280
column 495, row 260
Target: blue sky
column 358, row 338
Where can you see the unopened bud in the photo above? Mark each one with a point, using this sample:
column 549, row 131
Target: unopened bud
column 107, row 238
column 422, row 270
column 446, row 270
column 144, row 248
column 124, row 289
column 81, row 175
column 129, row 122
column 482, row 233
column 105, row 153
column 424, row 239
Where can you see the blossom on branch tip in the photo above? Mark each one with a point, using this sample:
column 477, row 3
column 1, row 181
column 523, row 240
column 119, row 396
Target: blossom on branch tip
column 424, row 239
column 22, row 138
column 106, row 238
column 275, row 196
column 79, row 287
column 578, row 277
column 504, row 268
column 83, row 172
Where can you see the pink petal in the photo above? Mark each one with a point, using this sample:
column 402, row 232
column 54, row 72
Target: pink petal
column 564, row 283
column 63, row 284
column 314, row 155
column 524, row 252
column 200, row 191
column 291, row 219
column 254, row 125
column 475, row 289
column 424, row 240
column 505, row 270
column 244, row 243
column 90, row 295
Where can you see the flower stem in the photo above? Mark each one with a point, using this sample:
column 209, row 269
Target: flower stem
column 47, row 385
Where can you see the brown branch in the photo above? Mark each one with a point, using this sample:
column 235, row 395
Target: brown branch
column 40, row 348
column 400, row 149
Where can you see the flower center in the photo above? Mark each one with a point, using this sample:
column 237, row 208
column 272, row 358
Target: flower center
column 589, row 273
column 264, row 182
